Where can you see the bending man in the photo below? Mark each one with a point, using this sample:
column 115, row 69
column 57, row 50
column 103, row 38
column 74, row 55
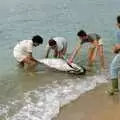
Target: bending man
column 58, row 45
column 96, row 44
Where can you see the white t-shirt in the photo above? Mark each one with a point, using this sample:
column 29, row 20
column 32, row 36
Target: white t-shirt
column 61, row 43
column 22, row 49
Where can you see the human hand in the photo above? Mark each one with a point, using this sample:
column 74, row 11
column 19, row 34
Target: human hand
column 69, row 61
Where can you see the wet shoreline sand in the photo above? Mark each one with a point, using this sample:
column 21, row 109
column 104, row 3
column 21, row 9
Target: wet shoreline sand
column 93, row 105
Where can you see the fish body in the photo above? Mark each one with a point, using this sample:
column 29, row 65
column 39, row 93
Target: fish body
column 62, row 65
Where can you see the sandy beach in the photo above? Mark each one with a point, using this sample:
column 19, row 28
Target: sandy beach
column 93, row 105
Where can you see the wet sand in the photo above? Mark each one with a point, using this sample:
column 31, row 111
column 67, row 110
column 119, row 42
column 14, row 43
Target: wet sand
column 93, row 105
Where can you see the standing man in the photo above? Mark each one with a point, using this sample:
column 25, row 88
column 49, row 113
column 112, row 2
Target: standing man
column 96, row 47
column 23, row 51
column 58, row 45
column 115, row 65
column 114, row 69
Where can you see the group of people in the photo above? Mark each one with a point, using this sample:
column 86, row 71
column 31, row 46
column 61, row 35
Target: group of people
column 23, row 52
column 23, row 49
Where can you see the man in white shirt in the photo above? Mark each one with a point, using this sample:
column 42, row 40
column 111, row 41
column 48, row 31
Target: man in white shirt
column 59, row 45
column 23, row 51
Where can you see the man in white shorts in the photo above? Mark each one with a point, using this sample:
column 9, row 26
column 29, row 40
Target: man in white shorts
column 23, row 51
column 59, row 45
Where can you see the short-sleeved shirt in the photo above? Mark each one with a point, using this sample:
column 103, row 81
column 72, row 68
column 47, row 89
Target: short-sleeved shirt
column 91, row 38
column 61, row 43
column 118, row 37
column 22, row 49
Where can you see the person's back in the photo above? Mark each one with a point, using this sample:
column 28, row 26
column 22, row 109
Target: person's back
column 22, row 49
column 61, row 42
column 93, row 36
column 59, row 45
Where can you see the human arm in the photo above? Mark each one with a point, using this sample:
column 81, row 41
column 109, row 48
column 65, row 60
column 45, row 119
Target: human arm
column 30, row 57
column 47, row 51
column 28, row 47
column 62, row 53
column 95, row 43
column 74, row 53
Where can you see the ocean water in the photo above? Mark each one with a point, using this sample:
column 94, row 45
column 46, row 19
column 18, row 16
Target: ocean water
column 39, row 95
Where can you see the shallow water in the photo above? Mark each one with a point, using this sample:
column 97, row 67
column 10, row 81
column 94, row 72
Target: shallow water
column 39, row 95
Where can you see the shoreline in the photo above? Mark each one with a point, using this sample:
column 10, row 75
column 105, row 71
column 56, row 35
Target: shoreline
column 93, row 105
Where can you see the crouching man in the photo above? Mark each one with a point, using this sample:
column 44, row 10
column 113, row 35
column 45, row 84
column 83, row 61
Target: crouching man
column 23, row 51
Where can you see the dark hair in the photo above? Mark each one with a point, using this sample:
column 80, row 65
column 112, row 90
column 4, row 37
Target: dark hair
column 51, row 42
column 118, row 19
column 81, row 33
column 37, row 39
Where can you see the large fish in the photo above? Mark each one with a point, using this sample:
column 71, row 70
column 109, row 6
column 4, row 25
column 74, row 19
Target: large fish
column 62, row 65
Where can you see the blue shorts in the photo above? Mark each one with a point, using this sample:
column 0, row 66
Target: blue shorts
column 115, row 67
column 114, row 73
